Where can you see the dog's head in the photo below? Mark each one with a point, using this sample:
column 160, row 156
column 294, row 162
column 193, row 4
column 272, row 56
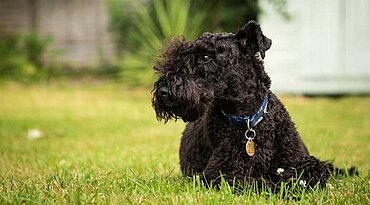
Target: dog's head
column 214, row 67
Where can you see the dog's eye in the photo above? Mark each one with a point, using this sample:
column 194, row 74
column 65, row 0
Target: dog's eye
column 204, row 58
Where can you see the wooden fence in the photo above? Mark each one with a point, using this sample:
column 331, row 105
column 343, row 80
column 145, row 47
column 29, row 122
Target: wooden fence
column 78, row 28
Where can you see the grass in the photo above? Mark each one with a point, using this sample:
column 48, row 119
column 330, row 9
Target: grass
column 101, row 144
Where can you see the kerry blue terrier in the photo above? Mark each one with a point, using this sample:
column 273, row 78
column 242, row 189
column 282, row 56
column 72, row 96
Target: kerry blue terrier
column 236, row 126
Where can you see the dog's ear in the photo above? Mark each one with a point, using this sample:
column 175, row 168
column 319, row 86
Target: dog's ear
column 252, row 39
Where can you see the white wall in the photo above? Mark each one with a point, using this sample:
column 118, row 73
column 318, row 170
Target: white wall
column 324, row 47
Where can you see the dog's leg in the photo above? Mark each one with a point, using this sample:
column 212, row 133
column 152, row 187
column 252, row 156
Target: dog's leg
column 336, row 172
column 194, row 150
column 308, row 170
column 227, row 163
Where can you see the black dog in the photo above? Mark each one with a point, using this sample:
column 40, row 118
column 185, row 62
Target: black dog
column 237, row 127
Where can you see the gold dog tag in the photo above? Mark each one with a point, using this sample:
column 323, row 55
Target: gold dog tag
column 249, row 147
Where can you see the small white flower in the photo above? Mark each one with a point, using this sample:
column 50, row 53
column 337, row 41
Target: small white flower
column 280, row 171
column 62, row 162
column 302, row 182
column 330, row 186
column 34, row 134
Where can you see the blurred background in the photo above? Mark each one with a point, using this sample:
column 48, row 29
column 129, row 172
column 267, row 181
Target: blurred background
column 76, row 122
column 319, row 47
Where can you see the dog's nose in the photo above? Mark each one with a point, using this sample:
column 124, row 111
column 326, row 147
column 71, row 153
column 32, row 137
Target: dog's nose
column 163, row 91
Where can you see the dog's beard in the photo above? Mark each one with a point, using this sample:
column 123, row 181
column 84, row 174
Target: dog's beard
column 187, row 101
column 187, row 114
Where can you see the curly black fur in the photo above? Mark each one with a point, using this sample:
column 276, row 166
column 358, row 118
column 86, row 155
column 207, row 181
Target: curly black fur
column 219, row 72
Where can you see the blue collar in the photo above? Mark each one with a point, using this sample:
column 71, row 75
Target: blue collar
column 253, row 120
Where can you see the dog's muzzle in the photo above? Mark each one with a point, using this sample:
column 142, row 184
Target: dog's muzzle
column 187, row 100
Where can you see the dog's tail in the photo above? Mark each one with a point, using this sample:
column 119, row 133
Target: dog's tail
column 336, row 172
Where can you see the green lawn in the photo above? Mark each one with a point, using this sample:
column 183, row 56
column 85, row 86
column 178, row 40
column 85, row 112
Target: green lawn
column 102, row 144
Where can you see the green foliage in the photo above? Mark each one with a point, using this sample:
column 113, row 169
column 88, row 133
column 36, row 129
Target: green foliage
column 140, row 27
column 21, row 57
column 13, row 62
column 35, row 47
column 145, row 30
column 121, row 16
column 229, row 15
column 101, row 144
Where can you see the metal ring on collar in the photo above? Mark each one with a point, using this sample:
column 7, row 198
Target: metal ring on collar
column 250, row 131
